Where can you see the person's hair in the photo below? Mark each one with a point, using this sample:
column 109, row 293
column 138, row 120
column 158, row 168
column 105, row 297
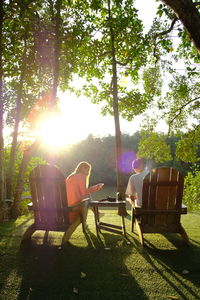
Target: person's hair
column 138, row 164
column 79, row 169
column 82, row 166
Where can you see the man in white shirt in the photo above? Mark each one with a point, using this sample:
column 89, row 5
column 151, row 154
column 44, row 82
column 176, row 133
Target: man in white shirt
column 135, row 183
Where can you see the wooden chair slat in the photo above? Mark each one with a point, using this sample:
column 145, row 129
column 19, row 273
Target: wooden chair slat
column 49, row 201
column 161, row 203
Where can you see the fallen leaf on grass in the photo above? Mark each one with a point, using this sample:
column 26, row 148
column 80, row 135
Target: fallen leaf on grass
column 75, row 290
column 107, row 248
column 172, row 297
column 185, row 272
column 83, row 275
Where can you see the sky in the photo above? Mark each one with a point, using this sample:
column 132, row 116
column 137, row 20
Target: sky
column 85, row 117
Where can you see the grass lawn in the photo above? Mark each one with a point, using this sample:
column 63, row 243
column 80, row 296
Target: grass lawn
column 112, row 268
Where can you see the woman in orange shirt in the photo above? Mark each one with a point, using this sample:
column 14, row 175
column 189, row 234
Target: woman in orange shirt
column 77, row 184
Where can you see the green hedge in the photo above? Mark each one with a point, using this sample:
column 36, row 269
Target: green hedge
column 191, row 196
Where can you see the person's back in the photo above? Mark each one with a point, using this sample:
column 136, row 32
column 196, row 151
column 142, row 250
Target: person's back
column 73, row 186
column 135, row 183
column 78, row 190
column 77, row 184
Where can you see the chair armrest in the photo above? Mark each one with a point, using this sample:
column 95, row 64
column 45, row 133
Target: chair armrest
column 85, row 199
column 107, row 204
column 141, row 211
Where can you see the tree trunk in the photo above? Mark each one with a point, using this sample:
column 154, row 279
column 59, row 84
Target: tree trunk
column 2, row 178
column 14, row 143
column 57, row 42
column 120, row 184
column 188, row 14
column 32, row 149
column 28, row 153
column 118, row 146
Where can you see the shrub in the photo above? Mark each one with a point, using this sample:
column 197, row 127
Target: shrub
column 191, row 196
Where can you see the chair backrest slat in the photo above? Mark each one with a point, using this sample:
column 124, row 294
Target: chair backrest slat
column 49, row 198
column 162, row 189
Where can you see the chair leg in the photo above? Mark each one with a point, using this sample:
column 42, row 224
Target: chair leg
column 28, row 233
column 96, row 218
column 46, row 235
column 123, row 226
column 132, row 219
column 184, row 234
column 140, row 234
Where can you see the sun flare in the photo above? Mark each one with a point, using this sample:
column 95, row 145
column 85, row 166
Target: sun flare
column 56, row 131
column 50, row 131
column 71, row 124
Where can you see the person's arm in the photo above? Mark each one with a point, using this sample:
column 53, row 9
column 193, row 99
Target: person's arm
column 132, row 198
column 84, row 190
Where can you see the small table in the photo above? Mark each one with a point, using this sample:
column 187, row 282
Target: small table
column 107, row 226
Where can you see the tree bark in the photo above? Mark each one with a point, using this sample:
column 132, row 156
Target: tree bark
column 2, row 178
column 32, row 149
column 16, row 126
column 57, row 20
column 188, row 14
column 14, row 142
column 28, row 153
column 118, row 146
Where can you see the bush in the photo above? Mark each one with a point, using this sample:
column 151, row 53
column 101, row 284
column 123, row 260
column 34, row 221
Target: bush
column 25, row 200
column 191, row 196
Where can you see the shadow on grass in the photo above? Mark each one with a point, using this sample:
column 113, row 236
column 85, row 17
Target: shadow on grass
column 10, row 235
column 114, row 268
column 177, row 266
column 50, row 272
column 11, row 226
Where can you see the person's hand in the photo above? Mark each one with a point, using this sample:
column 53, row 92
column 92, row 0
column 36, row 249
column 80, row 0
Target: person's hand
column 100, row 185
column 132, row 198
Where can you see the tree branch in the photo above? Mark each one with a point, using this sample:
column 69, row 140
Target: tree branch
column 123, row 64
column 187, row 12
column 160, row 34
column 168, row 30
column 104, row 54
column 179, row 111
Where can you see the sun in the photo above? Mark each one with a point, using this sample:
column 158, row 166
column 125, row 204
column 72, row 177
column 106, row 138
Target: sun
column 50, row 130
column 75, row 119
column 69, row 125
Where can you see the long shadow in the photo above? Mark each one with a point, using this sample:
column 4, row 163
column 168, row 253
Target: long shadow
column 10, row 236
column 50, row 272
column 7, row 260
column 174, row 262
column 8, row 227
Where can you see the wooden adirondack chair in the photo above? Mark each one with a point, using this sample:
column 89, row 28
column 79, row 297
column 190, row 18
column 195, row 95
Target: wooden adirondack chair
column 49, row 203
column 161, row 204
